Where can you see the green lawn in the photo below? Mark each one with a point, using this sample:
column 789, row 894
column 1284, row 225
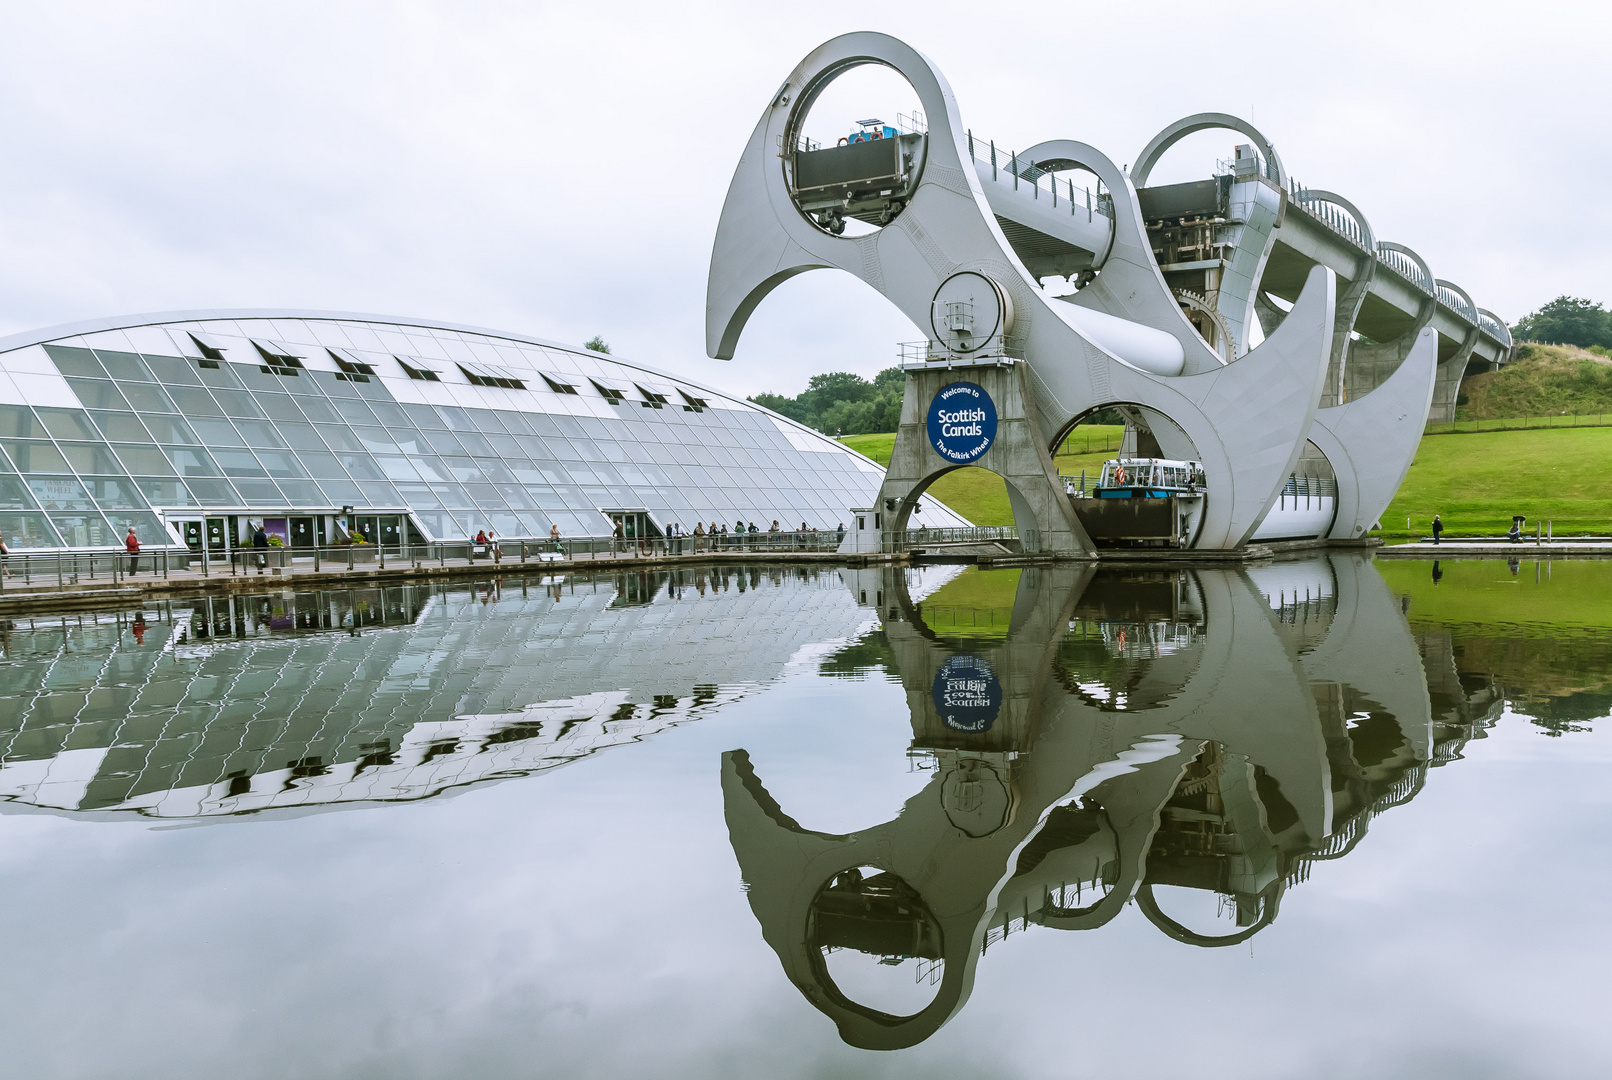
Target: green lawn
column 1475, row 482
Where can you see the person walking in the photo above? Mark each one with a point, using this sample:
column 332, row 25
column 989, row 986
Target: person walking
column 260, row 544
column 617, row 534
column 699, row 537
column 5, row 555
column 554, row 537
column 1438, row 529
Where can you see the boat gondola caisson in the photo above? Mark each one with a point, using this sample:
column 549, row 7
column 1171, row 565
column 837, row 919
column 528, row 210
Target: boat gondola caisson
column 1159, row 502
column 1141, row 502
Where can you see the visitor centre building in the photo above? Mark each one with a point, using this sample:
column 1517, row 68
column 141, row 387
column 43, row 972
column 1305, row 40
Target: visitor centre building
column 196, row 425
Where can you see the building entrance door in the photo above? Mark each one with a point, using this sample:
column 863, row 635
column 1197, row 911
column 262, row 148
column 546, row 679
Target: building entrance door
column 365, row 524
column 302, row 534
column 193, row 534
column 391, row 534
column 217, row 534
column 635, row 524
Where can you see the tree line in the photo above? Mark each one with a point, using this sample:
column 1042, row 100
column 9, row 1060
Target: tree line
column 840, row 403
column 1567, row 320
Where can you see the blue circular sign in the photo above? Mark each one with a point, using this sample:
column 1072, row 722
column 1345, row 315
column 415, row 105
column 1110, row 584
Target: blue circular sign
column 962, row 422
column 967, row 694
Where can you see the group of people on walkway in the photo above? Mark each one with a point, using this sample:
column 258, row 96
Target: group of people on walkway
column 707, row 536
column 715, row 536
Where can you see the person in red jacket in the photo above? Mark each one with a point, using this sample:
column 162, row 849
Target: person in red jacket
column 132, row 545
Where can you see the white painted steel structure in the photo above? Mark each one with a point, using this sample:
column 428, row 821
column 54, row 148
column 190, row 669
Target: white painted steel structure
column 1359, row 334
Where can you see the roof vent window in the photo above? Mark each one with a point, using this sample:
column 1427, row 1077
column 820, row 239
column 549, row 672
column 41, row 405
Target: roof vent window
column 281, row 359
column 489, row 375
column 352, row 368
column 203, row 348
column 558, row 383
column 415, row 369
column 612, row 394
column 652, row 400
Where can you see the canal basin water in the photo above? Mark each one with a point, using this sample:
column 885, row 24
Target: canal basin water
column 1317, row 818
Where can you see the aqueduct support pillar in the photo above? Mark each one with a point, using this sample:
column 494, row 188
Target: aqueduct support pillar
column 981, row 414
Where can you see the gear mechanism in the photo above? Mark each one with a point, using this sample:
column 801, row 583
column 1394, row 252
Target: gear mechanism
column 1210, row 323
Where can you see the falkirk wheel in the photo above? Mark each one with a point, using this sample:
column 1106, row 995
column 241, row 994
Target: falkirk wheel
column 1305, row 435
column 1137, row 735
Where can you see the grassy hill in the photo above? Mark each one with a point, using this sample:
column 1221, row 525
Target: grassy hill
column 1542, row 380
column 1474, row 481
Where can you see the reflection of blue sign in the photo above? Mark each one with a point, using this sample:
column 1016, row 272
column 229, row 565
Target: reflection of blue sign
column 962, row 422
column 967, row 694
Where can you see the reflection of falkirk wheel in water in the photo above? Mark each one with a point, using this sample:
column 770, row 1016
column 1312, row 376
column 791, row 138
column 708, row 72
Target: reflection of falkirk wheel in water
column 953, row 256
column 1174, row 739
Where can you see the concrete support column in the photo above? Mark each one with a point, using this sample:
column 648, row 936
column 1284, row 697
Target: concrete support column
column 1046, row 521
column 1448, row 385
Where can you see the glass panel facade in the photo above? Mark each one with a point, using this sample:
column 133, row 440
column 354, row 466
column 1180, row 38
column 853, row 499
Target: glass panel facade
column 27, row 531
column 163, row 433
column 84, row 530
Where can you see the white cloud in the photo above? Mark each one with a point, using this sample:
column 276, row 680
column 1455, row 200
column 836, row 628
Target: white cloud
column 558, row 169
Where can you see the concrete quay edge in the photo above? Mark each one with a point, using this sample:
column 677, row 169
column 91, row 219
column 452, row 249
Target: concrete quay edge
column 1564, row 549
column 25, row 600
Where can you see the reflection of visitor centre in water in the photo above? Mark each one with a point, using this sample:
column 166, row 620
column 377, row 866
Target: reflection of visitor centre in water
column 197, row 423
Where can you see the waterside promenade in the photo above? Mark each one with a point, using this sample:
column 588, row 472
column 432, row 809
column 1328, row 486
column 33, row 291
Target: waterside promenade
column 49, row 585
column 1588, row 548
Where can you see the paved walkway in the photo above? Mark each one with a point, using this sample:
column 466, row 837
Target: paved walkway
column 18, row 595
column 1499, row 549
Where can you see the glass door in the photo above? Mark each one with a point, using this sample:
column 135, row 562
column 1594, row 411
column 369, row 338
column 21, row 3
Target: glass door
column 390, row 533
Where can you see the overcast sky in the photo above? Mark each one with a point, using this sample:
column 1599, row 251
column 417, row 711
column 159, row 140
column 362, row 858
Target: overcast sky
column 558, row 169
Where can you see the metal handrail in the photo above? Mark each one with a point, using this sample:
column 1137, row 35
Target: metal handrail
column 1405, row 267
column 927, row 354
column 1333, row 216
column 1310, row 485
column 1007, row 161
column 907, row 539
column 65, row 568
column 111, row 565
column 1455, row 302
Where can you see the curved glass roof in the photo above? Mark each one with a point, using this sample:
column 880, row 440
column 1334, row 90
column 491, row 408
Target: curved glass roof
column 158, row 419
